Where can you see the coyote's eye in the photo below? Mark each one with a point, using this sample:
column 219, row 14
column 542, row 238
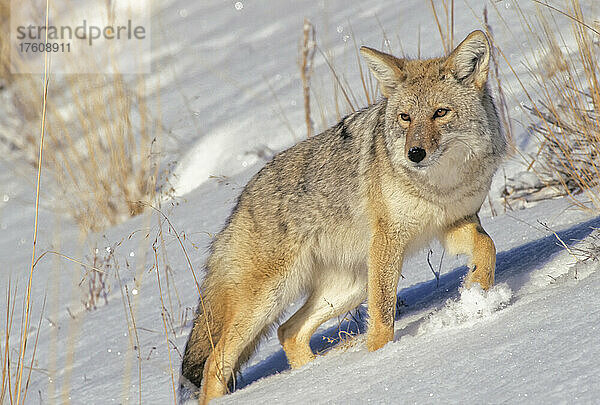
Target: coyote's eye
column 405, row 117
column 440, row 112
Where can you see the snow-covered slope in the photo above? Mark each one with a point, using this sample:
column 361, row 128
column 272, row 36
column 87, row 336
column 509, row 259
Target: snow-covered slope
column 228, row 74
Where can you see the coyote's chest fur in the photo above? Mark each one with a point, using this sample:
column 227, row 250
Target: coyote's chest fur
column 418, row 220
column 344, row 246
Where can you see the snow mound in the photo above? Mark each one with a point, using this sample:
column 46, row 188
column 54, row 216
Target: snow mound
column 473, row 304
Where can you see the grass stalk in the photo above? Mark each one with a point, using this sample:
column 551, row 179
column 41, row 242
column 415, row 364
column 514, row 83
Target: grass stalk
column 24, row 331
column 306, row 68
column 164, row 319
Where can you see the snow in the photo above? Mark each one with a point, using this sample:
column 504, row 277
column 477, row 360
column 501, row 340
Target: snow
column 228, row 72
column 472, row 305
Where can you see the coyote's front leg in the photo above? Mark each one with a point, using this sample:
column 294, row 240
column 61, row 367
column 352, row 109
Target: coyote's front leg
column 468, row 237
column 385, row 264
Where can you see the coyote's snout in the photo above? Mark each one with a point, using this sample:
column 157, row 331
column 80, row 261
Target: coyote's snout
column 333, row 217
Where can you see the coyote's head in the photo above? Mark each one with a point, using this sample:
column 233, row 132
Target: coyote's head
column 439, row 111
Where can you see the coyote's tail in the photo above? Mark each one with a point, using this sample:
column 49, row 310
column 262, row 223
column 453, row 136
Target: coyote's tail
column 205, row 333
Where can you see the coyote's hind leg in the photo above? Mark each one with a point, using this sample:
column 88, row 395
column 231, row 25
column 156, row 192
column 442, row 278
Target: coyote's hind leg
column 249, row 314
column 321, row 305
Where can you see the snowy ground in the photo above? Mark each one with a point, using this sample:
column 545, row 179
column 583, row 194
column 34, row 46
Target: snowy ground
column 228, row 76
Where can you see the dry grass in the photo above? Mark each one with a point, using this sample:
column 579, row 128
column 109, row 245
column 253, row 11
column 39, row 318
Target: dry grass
column 344, row 100
column 102, row 144
column 95, row 282
column 164, row 315
column 102, row 138
column 445, row 29
column 347, row 332
column 14, row 379
column 99, row 144
column 590, row 249
column 307, row 55
column 104, row 263
column 570, row 106
column 566, row 107
column 4, row 44
column 7, row 370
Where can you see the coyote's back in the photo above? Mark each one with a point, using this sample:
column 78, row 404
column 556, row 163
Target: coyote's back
column 333, row 217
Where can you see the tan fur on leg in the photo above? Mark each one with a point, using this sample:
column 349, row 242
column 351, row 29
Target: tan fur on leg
column 385, row 263
column 297, row 352
column 294, row 340
column 335, row 296
column 468, row 237
column 216, row 374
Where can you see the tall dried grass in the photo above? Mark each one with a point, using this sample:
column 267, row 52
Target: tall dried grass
column 446, row 26
column 16, row 380
column 102, row 150
column 307, row 54
column 102, row 139
column 4, row 43
column 566, row 106
column 344, row 99
column 98, row 140
column 569, row 108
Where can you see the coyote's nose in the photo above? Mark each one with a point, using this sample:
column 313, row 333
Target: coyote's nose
column 416, row 154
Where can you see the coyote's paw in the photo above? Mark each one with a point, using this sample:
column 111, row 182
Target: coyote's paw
column 485, row 277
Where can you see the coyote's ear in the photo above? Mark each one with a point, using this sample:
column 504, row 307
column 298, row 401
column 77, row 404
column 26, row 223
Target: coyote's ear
column 386, row 68
column 470, row 61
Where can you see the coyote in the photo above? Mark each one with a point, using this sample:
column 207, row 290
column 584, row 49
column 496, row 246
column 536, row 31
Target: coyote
column 332, row 218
